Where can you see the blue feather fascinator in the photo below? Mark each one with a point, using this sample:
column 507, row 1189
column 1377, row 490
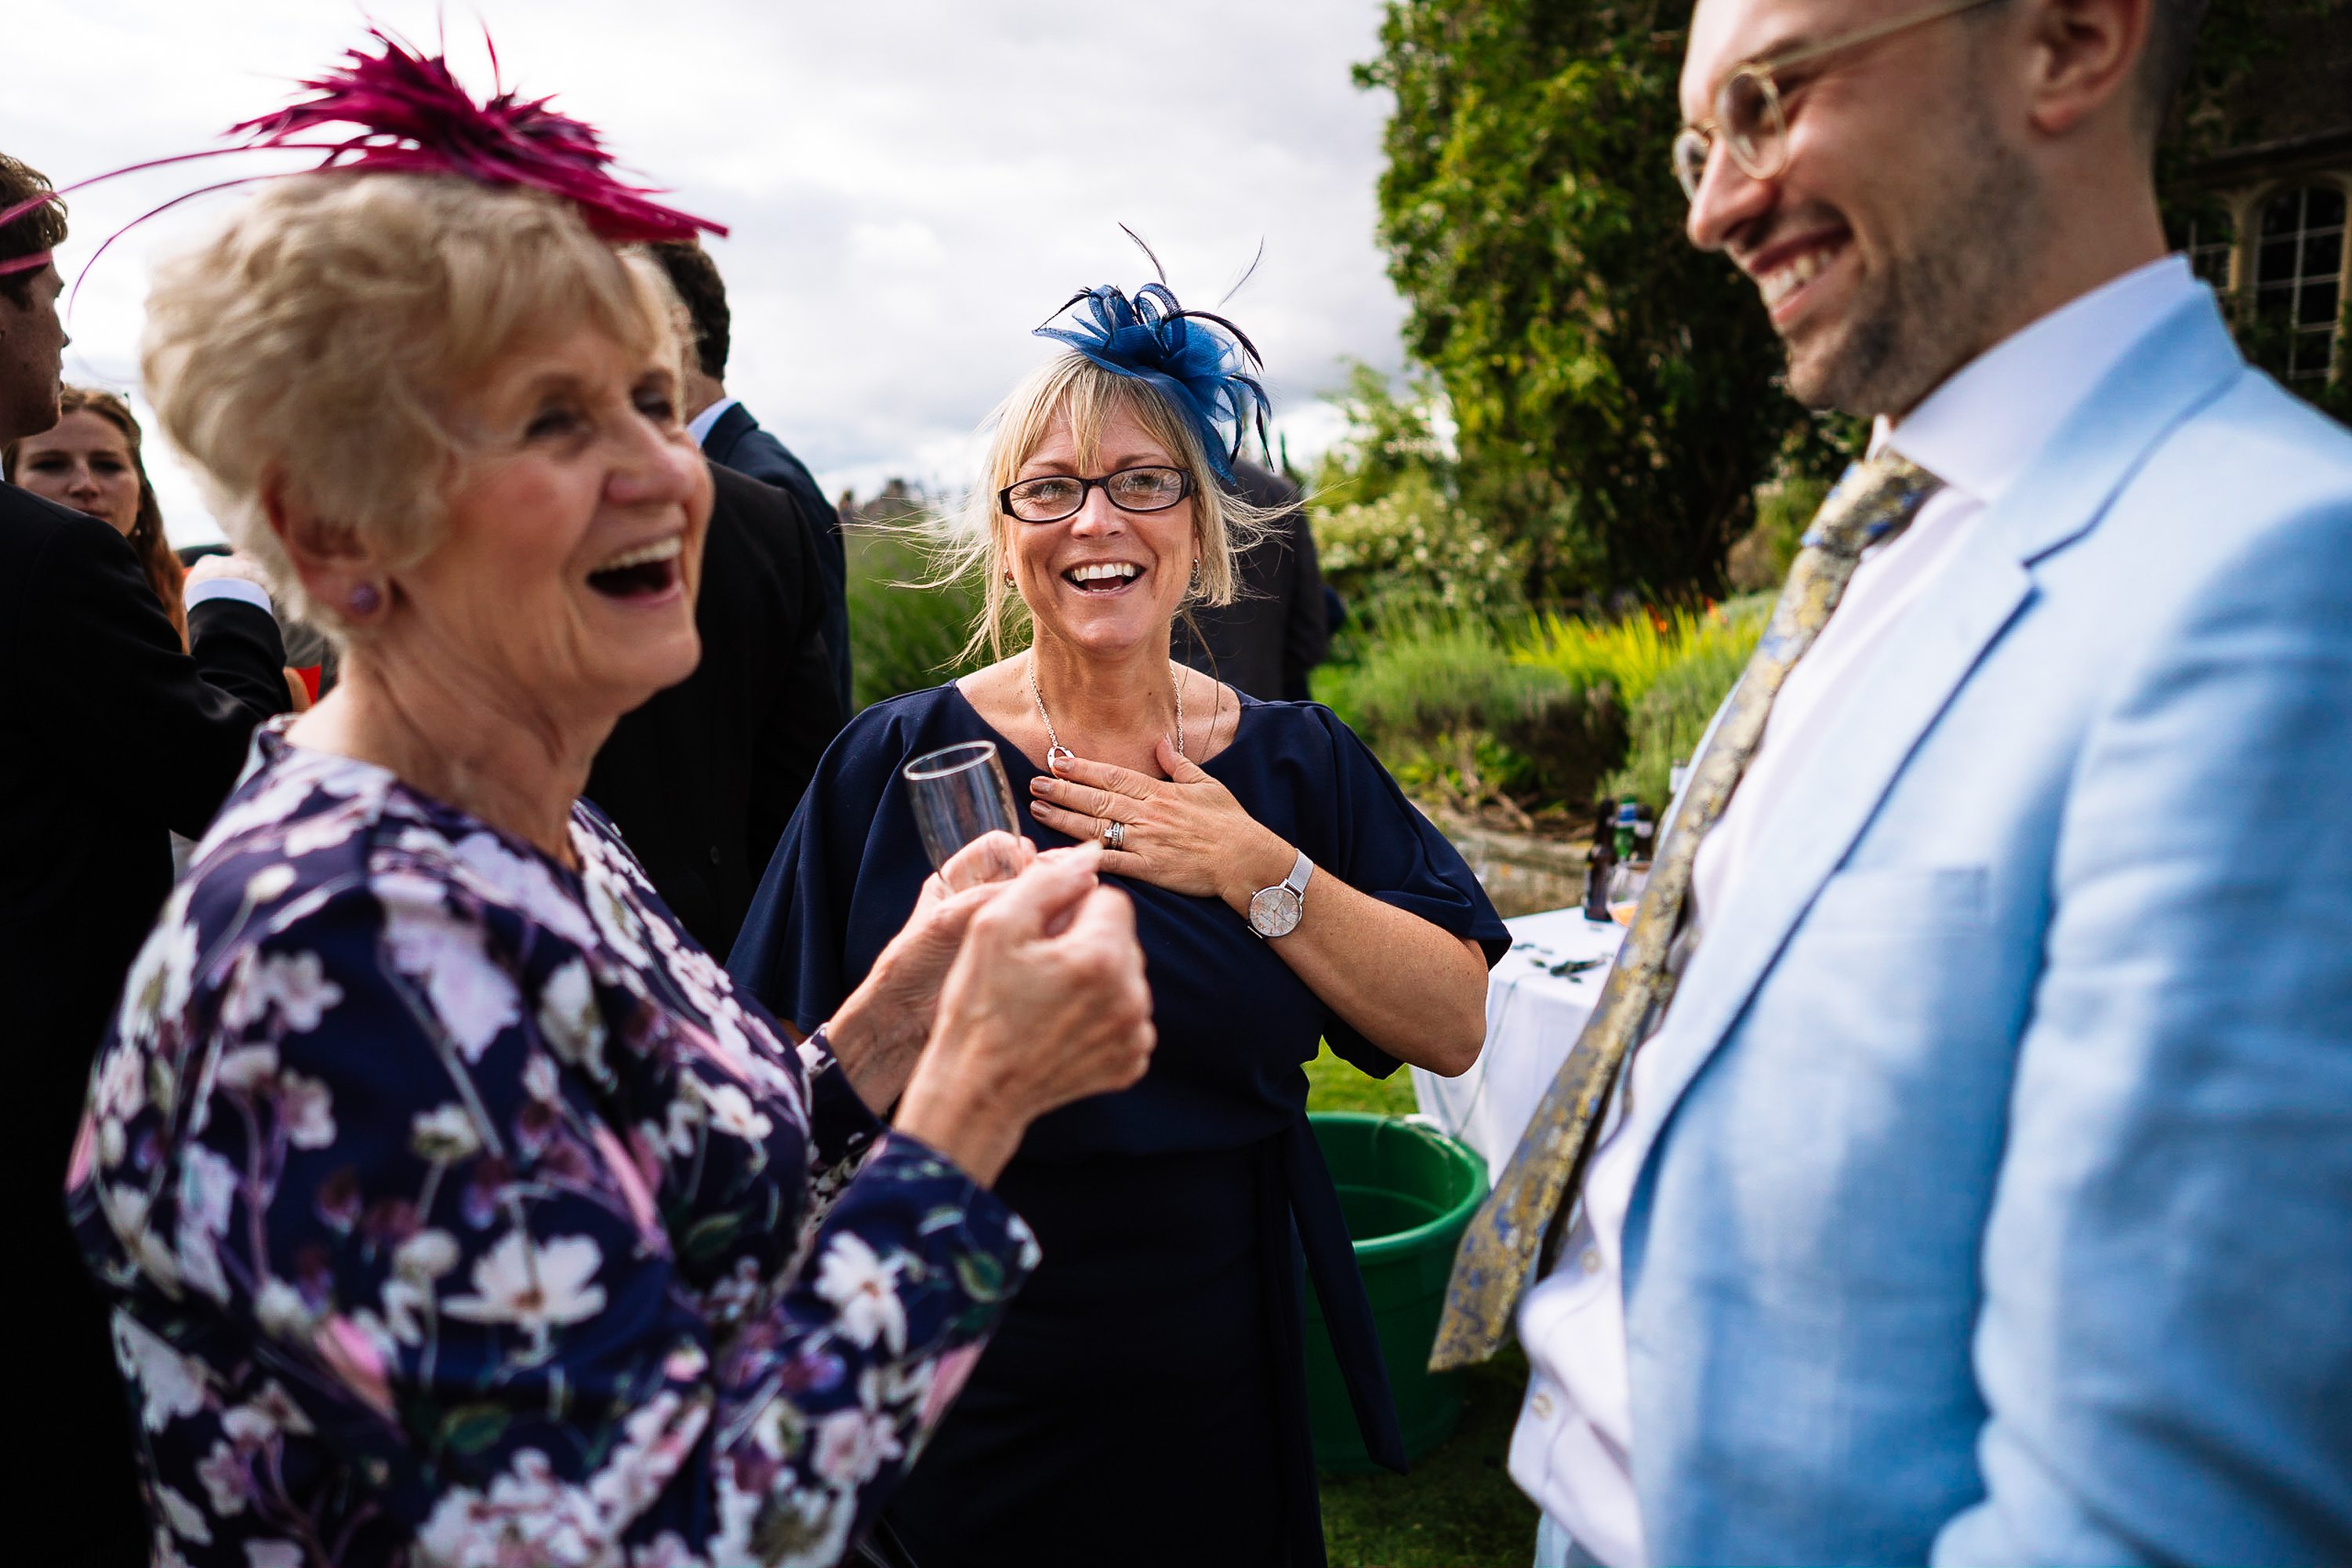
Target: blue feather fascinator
column 1203, row 365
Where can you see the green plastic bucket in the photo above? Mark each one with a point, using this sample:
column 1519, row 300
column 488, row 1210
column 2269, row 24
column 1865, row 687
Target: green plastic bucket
column 1408, row 1192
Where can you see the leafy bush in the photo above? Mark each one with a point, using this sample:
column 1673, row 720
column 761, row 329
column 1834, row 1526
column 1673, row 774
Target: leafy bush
column 1670, row 715
column 1413, row 555
column 1635, row 653
column 902, row 636
column 1784, row 509
column 1453, row 714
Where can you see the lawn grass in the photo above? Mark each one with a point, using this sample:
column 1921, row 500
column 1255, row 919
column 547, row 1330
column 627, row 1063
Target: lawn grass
column 1458, row 1507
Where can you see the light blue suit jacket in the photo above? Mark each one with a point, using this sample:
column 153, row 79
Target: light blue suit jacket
column 1996, row 1201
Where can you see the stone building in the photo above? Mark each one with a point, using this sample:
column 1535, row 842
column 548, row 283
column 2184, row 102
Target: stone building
column 2272, row 199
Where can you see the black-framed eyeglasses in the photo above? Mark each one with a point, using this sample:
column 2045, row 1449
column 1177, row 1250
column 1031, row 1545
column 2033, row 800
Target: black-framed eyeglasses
column 1149, row 488
column 1749, row 119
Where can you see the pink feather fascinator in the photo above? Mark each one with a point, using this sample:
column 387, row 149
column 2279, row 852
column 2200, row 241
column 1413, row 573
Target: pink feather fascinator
column 408, row 113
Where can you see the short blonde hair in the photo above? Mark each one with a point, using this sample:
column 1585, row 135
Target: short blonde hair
column 327, row 338
column 1223, row 524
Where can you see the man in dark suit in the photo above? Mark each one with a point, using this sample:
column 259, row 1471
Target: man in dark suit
column 702, row 778
column 111, row 739
column 731, row 437
column 1275, row 630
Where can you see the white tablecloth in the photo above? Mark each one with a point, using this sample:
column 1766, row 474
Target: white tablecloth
column 1533, row 1016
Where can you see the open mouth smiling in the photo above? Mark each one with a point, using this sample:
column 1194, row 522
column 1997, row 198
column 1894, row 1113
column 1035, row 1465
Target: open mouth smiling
column 1783, row 274
column 643, row 572
column 1103, row 576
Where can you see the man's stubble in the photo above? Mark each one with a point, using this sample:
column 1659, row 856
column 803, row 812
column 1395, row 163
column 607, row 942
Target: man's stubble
column 1940, row 301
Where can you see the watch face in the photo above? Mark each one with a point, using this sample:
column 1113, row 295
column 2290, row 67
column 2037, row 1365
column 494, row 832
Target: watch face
column 1274, row 911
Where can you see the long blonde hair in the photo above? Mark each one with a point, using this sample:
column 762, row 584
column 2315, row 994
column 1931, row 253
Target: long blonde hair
column 975, row 538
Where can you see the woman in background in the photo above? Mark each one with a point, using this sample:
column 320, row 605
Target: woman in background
column 89, row 461
column 1145, row 1402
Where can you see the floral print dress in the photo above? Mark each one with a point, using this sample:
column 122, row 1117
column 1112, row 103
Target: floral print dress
column 455, row 1210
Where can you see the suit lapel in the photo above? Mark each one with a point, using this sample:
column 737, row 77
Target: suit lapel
column 728, row 429
column 2183, row 363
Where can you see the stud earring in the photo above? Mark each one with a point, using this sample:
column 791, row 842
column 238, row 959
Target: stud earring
column 365, row 600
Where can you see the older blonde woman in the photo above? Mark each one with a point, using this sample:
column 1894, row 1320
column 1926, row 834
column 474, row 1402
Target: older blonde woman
column 454, row 1206
column 1144, row 1402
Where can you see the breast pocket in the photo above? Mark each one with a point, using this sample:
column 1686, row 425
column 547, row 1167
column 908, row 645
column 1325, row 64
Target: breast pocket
column 1902, row 898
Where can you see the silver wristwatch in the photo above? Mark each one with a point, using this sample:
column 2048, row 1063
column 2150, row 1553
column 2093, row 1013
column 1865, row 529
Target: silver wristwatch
column 1274, row 911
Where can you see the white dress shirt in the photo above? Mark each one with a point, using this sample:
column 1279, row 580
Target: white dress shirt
column 238, row 588
column 699, row 425
column 1571, row 1451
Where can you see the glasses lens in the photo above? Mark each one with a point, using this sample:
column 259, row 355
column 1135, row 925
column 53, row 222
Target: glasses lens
column 1047, row 500
column 1147, row 490
column 1690, row 160
column 1750, row 111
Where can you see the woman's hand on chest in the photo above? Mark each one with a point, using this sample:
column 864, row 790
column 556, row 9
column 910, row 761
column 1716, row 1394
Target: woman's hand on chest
column 1185, row 832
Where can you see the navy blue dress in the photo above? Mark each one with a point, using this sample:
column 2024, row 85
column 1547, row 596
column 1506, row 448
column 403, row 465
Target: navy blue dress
column 1144, row 1401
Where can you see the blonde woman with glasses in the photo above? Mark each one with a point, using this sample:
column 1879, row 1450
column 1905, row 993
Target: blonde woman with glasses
column 1285, row 893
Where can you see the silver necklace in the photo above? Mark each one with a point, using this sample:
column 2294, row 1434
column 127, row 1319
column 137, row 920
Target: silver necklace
column 1057, row 753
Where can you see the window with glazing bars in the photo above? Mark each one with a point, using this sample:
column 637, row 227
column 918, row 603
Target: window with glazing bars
column 2299, row 277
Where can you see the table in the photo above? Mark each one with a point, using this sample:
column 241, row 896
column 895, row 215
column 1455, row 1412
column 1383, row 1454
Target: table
column 1538, row 999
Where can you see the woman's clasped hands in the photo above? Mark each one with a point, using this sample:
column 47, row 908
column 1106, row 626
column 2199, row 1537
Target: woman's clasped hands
column 1185, row 832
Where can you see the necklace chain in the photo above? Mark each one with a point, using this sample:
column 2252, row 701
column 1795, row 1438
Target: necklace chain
column 1054, row 741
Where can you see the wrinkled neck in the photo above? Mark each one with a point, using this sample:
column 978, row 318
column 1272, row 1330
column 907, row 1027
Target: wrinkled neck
column 471, row 741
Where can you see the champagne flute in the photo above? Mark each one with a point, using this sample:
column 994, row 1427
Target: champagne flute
column 960, row 795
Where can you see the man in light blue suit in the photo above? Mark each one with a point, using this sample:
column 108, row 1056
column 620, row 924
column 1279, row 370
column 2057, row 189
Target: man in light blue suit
column 1985, row 1194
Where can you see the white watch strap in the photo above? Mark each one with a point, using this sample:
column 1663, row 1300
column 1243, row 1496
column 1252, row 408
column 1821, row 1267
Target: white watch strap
column 1299, row 872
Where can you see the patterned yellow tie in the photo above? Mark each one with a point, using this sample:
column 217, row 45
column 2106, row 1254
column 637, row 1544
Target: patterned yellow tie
column 1874, row 501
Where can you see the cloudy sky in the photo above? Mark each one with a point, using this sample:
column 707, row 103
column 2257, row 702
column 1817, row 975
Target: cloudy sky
column 911, row 184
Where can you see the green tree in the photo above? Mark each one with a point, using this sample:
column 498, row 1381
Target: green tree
column 1615, row 390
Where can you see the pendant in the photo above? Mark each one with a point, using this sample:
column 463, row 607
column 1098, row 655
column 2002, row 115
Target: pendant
column 1059, row 757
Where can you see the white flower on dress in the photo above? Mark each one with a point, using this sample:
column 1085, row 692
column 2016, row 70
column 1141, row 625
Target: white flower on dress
column 539, row 1077
column 306, row 1110
column 295, row 984
column 273, row 1555
column 207, row 1193
column 654, row 1441
column 228, row 1480
column 472, row 997
column 532, row 1284
column 118, row 1094
column 268, row 883
column 164, row 977
column 325, row 829
column 526, row 883
column 264, row 1415
column 121, row 1088
column 615, row 919
column 170, row 1385
column 427, row 1255
column 186, row 1519
column 444, row 1135
column 865, row 1290
column 280, row 1311
column 568, row 1018
column 685, row 1119
column 416, row 1263
column 733, row 1112
column 125, row 1208
column 851, row 1446
column 247, row 1070
column 528, row 1516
